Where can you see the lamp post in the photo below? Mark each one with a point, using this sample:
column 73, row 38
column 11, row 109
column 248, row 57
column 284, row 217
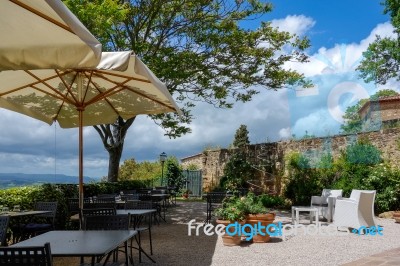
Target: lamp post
column 163, row 158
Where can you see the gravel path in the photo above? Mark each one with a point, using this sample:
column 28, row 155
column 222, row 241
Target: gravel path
column 173, row 246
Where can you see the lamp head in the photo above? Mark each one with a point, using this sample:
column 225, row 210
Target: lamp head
column 163, row 157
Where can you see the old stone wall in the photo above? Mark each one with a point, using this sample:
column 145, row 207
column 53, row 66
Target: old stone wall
column 271, row 156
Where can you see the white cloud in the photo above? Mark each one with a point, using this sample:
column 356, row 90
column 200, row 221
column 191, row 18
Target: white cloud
column 294, row 24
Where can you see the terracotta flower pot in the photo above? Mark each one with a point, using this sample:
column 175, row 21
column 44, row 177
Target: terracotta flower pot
column 265, row 220
column 228, row 240
column 396, row 216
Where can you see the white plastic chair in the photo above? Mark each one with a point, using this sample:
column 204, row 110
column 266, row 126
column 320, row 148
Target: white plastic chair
column 356, row 211
column 326, row 202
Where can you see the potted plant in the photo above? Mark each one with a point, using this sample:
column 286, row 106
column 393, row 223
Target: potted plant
column 231, row 211
column 257, row 214
column 185, row 193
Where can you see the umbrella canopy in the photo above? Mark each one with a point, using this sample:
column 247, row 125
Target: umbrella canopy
column 44, row 34
column 121, row 85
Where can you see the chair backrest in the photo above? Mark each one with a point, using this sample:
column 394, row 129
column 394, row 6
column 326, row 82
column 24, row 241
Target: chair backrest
column 138, row 205
column 104, row 200
column 3, row 229
column 29, row 256
column 356, row 193
column 107, row 222
column 366, row 202
column 113, row 195
column 331, row 193
column 47, row 206
column 133, row 196
column 98, row 211
column 145, row 197
column 216, row 197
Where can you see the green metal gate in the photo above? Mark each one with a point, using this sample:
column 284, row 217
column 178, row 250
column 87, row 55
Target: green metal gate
column 194, row 182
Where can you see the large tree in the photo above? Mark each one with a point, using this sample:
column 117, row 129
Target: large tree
column 204, row 50
column 382, row 59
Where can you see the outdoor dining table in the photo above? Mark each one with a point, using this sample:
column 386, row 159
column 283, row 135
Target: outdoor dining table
column 81, row 243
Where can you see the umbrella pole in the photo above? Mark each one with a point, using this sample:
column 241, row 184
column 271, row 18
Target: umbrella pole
column 80, row 112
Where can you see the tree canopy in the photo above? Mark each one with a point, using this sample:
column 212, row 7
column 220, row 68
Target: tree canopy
column 382, row 59
column 201, row 49
column 241, row 137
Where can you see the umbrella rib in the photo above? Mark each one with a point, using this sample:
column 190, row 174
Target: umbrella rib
column 68, row 87
column 47, row 85
column 41, row 15
column 31, row 84
column 100, row 92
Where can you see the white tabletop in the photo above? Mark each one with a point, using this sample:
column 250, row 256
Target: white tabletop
column 80, row 243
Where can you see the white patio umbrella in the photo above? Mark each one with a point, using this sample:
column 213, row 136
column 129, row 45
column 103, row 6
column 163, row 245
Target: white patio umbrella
column 120, row 86
column 38, row 34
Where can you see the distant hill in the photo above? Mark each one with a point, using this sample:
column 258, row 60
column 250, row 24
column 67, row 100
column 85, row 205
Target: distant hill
column 18, row 179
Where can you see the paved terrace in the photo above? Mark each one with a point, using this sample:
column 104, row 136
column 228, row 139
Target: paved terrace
column 173, row 246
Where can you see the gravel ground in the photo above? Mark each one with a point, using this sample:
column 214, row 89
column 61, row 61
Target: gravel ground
column 173, row 246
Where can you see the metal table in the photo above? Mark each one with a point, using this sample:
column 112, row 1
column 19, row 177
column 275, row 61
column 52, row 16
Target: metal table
column 82, row 243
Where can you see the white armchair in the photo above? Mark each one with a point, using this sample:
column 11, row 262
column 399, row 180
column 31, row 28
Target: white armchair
column 326, row 202
column 356, row 211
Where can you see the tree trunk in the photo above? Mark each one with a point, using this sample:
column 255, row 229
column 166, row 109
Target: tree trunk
column 113, row 162
column 113, row 137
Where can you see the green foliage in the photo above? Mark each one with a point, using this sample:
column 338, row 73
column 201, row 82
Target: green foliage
column 253, row 204
column 237, row 170
column 386, row 181
column 232, row 209
column 131, row 170
column 241, row 137
column 363, row 153
column 174, row 174
column 303, row 182
column 358, row 167
column 270, row 201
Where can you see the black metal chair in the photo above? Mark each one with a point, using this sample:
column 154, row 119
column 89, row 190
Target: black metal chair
column 214, row 200
column 108, row 222
column 136, row 224
column 44, row 222
column 3, row 230
column 84, row 213
column 29, row 256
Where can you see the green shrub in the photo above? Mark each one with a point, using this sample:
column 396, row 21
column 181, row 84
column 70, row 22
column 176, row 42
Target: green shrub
column 270, row 201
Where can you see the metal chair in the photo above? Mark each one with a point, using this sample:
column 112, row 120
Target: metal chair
column 29, row 256
column 84, row 213
column 135, row 223
column 108, row 222
column 44, row 222
column 3, row 230
column 214, row 200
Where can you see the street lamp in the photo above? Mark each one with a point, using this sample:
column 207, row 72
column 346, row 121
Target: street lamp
column 163, row 158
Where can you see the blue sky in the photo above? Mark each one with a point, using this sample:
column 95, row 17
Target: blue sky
column 339, row 32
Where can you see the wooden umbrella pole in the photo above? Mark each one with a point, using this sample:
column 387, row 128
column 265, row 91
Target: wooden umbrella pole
column 80, row 112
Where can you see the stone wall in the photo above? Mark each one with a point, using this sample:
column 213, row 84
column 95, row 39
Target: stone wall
column 272, row 156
